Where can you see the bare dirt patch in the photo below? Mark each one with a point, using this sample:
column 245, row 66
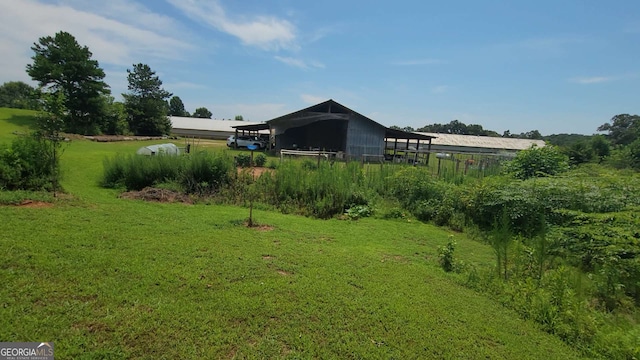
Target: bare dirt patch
column 268, row 257
column 255, row 171
column 157, row 195
column 34, row 204
column 284, row 273
column 258, row 227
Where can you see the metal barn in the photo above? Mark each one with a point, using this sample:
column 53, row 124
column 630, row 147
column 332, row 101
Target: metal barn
column 328, row 126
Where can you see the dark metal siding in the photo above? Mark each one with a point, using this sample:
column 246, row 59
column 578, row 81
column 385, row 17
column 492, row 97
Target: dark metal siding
column 364, row 137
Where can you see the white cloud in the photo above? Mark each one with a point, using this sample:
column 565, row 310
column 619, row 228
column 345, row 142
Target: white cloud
column 118, row 42
column 313, row 99
column 299, row 63
column 415, row 62
column 265, row 32
column 592, row 80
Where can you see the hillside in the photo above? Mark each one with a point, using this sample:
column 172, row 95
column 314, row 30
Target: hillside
column 104, row 277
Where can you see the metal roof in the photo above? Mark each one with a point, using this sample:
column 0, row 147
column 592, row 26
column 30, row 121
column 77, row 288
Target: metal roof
column 482, row 141
column 178, row 122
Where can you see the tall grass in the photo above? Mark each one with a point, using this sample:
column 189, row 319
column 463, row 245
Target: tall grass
column 197, row 173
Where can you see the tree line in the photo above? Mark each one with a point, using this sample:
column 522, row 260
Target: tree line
column 619, row 146
column 65, row 70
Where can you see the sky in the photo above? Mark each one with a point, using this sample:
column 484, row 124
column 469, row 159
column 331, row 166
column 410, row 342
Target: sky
column 554, row 66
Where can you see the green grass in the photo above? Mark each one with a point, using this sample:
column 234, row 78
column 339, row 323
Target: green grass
column 109, row 278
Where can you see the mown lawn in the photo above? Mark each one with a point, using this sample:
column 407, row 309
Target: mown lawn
column 109, row 278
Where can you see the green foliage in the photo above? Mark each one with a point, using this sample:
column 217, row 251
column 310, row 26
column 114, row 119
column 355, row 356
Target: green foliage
column 566, row 140
column 418, row 191
column 19, row 95
column 321, row 192
column 623, row 129
column 145, row 102
column 260, row 160
column 115, row 117
column 601, row 147
column 205, row 173
column 203, row 113
column 243, row 160
column 359, row 211
column 272, row 164
column 579, row 153
column 537, row 162
column 239, row 118
column 445, row 255
column 454, row 127
column 26, row 164
column 65, row 67
column 176, row 107
column 201, row 173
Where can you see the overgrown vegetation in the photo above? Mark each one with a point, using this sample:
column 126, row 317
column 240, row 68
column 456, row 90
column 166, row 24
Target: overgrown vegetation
column 565, row 246
column 200, row 173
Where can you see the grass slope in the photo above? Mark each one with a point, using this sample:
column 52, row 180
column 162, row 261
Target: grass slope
column 110, row 278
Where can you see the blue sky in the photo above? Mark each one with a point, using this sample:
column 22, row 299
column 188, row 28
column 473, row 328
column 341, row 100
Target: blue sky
column 555, row 66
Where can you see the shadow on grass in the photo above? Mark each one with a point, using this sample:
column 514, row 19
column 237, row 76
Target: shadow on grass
column 26, row 121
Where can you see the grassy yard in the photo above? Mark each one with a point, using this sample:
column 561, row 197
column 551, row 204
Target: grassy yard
column 106, row 278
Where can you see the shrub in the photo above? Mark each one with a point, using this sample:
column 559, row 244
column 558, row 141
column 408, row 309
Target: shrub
column 26, row 165
column 418, row 191
column 359, row 211
column 446, row 256
column 260, row 160
column 243, row 160
column 537, row 162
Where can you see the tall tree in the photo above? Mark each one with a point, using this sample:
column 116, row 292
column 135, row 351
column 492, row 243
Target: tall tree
column 146, row 103
column 18, row 95
column 63, row 66
column 623, row 129
column 202, row 112
column 239, row 118
column 176, row 107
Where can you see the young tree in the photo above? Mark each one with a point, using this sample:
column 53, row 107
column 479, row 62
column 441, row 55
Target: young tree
column 176, row 107
column 202, row 112
column 18, row 95
column 65, row 67
column 50, row 124
column 146, row 103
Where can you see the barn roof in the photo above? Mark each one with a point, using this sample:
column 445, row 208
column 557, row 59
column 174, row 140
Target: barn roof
column 328, row 110
column 482, row 141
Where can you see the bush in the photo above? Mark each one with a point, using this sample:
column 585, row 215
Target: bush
column 446, row 256
column 260, row 160
column 359, row 211
column 537, row 162
column 418, row 192
column 243, row 160
column 26, row 165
